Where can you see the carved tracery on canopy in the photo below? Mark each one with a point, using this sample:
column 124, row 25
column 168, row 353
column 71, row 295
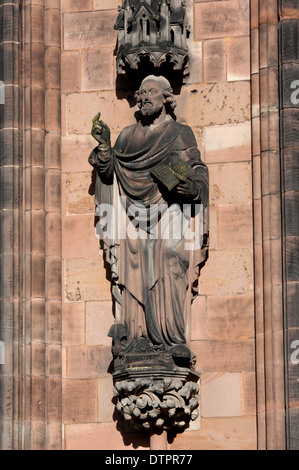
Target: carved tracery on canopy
column 152, row 29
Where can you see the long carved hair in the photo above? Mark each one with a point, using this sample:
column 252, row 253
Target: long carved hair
column 166, row 88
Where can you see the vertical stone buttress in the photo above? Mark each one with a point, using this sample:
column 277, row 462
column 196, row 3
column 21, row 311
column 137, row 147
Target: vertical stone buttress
column 11, row 214
column 289, row 149
column 275, row 119
column 31, row 297
column 267, row 226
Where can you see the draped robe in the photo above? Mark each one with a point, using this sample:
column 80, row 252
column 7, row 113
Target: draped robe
column 152, row 277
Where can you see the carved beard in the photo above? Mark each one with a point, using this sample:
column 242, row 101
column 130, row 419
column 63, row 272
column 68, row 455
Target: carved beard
column 149, row 110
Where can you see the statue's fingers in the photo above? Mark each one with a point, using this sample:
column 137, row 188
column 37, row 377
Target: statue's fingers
column 181, row 190
column 97, row 128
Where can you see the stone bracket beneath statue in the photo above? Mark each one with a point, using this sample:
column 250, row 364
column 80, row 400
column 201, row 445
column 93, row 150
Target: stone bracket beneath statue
column 157, row 398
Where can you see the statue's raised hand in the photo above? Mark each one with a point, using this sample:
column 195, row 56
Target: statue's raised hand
column 101, row 132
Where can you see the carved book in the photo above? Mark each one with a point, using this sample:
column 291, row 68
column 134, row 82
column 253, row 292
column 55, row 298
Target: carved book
column 170, row 171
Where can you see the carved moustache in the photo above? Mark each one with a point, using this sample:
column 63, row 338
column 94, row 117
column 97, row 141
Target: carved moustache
column 146, row 103
column 148, row 109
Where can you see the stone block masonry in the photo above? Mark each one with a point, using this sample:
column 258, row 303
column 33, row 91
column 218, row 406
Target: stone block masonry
column 241, row 98
column 55, row 275
column 215, row 102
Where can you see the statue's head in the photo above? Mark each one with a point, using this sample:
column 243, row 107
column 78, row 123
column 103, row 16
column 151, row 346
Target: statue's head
column 153, row 94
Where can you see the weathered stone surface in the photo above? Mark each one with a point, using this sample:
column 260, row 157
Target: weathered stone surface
column 224, row 356
column 10, row 141
column 233, row 433
column 106, row 407
column 79, row 189
column 230, row 184
column 73, row 162
column 84, row 30
column 105, row 4
column 53, row 360
column 235, row 227
column 230, row 317
column 248, row 394
column 213, row 228
column 53, row 233
column 218, row 103
column 79, row 401
column 217, row 19
column 52, row 150
column 70, row 71
column 220, row 395
column 195, row 63
column 238, row 62
column 215, row 60
column 9, row 20
column 294, row 420
column 52, row 32
column 199, row 318
column 53, row 277
column 75, row 228
column 54, row 324
column 228, row 143
column 268, row 11
column 292, row 291
column 54, row 400
column 268, row 51
column 73, row 6
column 289, row 41
column 99, row 319
column 88, row 362
column 289, row 9
column 289, row 127
column 54, row 433
column 97, row 69
column 85, row 279
column 81, row 109
column 73, row 323
column 53, row 67
column 102, row 436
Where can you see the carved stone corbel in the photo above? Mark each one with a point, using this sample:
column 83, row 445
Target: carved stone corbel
column 158, row 400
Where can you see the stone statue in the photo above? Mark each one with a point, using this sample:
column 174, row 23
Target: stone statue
column 154, row 179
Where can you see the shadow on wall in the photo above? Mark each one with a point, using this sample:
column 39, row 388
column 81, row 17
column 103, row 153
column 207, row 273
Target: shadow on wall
column 127, row 84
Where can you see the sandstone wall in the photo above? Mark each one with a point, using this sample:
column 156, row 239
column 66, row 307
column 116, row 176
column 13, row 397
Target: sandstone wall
column 216, row 103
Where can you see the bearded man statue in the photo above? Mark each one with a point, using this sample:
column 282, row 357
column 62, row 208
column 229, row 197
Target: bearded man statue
column 155, row 180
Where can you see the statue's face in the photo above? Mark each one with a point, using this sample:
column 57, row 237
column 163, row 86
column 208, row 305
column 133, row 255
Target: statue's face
column 151, row 98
